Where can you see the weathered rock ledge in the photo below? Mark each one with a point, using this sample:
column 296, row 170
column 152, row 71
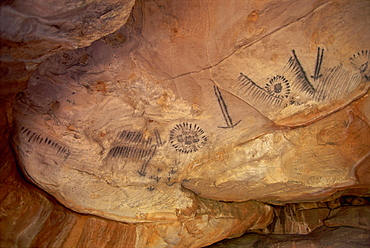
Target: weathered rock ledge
column 194, row 122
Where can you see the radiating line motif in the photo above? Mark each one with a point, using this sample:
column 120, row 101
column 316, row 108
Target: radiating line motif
column 360, row 61
column 223, row 106
column 278, row 86
column 293, row 84
column 187, row 137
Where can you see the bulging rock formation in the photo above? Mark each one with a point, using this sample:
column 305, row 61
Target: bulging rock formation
column 32, row 31
column 194, row 122
column 36, row 28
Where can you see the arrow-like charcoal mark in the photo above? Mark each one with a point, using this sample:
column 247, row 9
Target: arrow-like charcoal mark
column 142, row 171
column 319, row 58
column 224, row 110
column 170, row 183
column 301, row 81
column 151, row 188
column 156, row 178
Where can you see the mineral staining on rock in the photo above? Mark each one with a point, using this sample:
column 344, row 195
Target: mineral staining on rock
column 110, row 131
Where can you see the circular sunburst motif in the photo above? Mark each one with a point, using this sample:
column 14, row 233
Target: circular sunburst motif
column 361, row 61
column 278, row 86
column 187, row 137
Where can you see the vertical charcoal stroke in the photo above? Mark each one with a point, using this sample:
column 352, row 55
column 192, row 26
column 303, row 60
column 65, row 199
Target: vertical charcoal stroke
column 300, row 80
column 173, row 171
column 156, row 178
column 132, row 152
column 142, row 171
column 158, row 138
column 223, row 106
column 130, row 137
column 319, row 59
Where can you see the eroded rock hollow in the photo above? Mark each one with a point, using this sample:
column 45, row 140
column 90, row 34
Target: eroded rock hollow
column 186, row 123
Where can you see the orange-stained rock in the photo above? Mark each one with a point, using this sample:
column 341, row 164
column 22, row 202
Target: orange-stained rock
column 295, row 219
column 45, row 224
column 176, row 132
column 56, row 229
column 23, row 214
column 214, row 221
column 29, row 219
column 362, row 109
column 166, row 132
column 102, row 233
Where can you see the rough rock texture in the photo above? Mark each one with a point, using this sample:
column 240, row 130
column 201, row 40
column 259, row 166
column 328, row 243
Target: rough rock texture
column 28, row 219
column 97, row 127
column 350, row 216
column 31, row 219
column 341, row 237
column 340, row 222
column 298, row 218
column 166, row 132
column 33, row 30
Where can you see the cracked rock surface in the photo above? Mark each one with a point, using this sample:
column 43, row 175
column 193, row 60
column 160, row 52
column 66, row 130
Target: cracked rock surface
column 188, row 123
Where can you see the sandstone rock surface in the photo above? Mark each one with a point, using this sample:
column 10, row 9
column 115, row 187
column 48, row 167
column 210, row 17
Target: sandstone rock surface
column 127, row 135
column 166, row 132
column 35, row 28
column 341, row 237
column 31, row 31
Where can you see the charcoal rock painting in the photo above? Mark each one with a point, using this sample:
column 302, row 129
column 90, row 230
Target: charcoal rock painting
column 184, row 123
